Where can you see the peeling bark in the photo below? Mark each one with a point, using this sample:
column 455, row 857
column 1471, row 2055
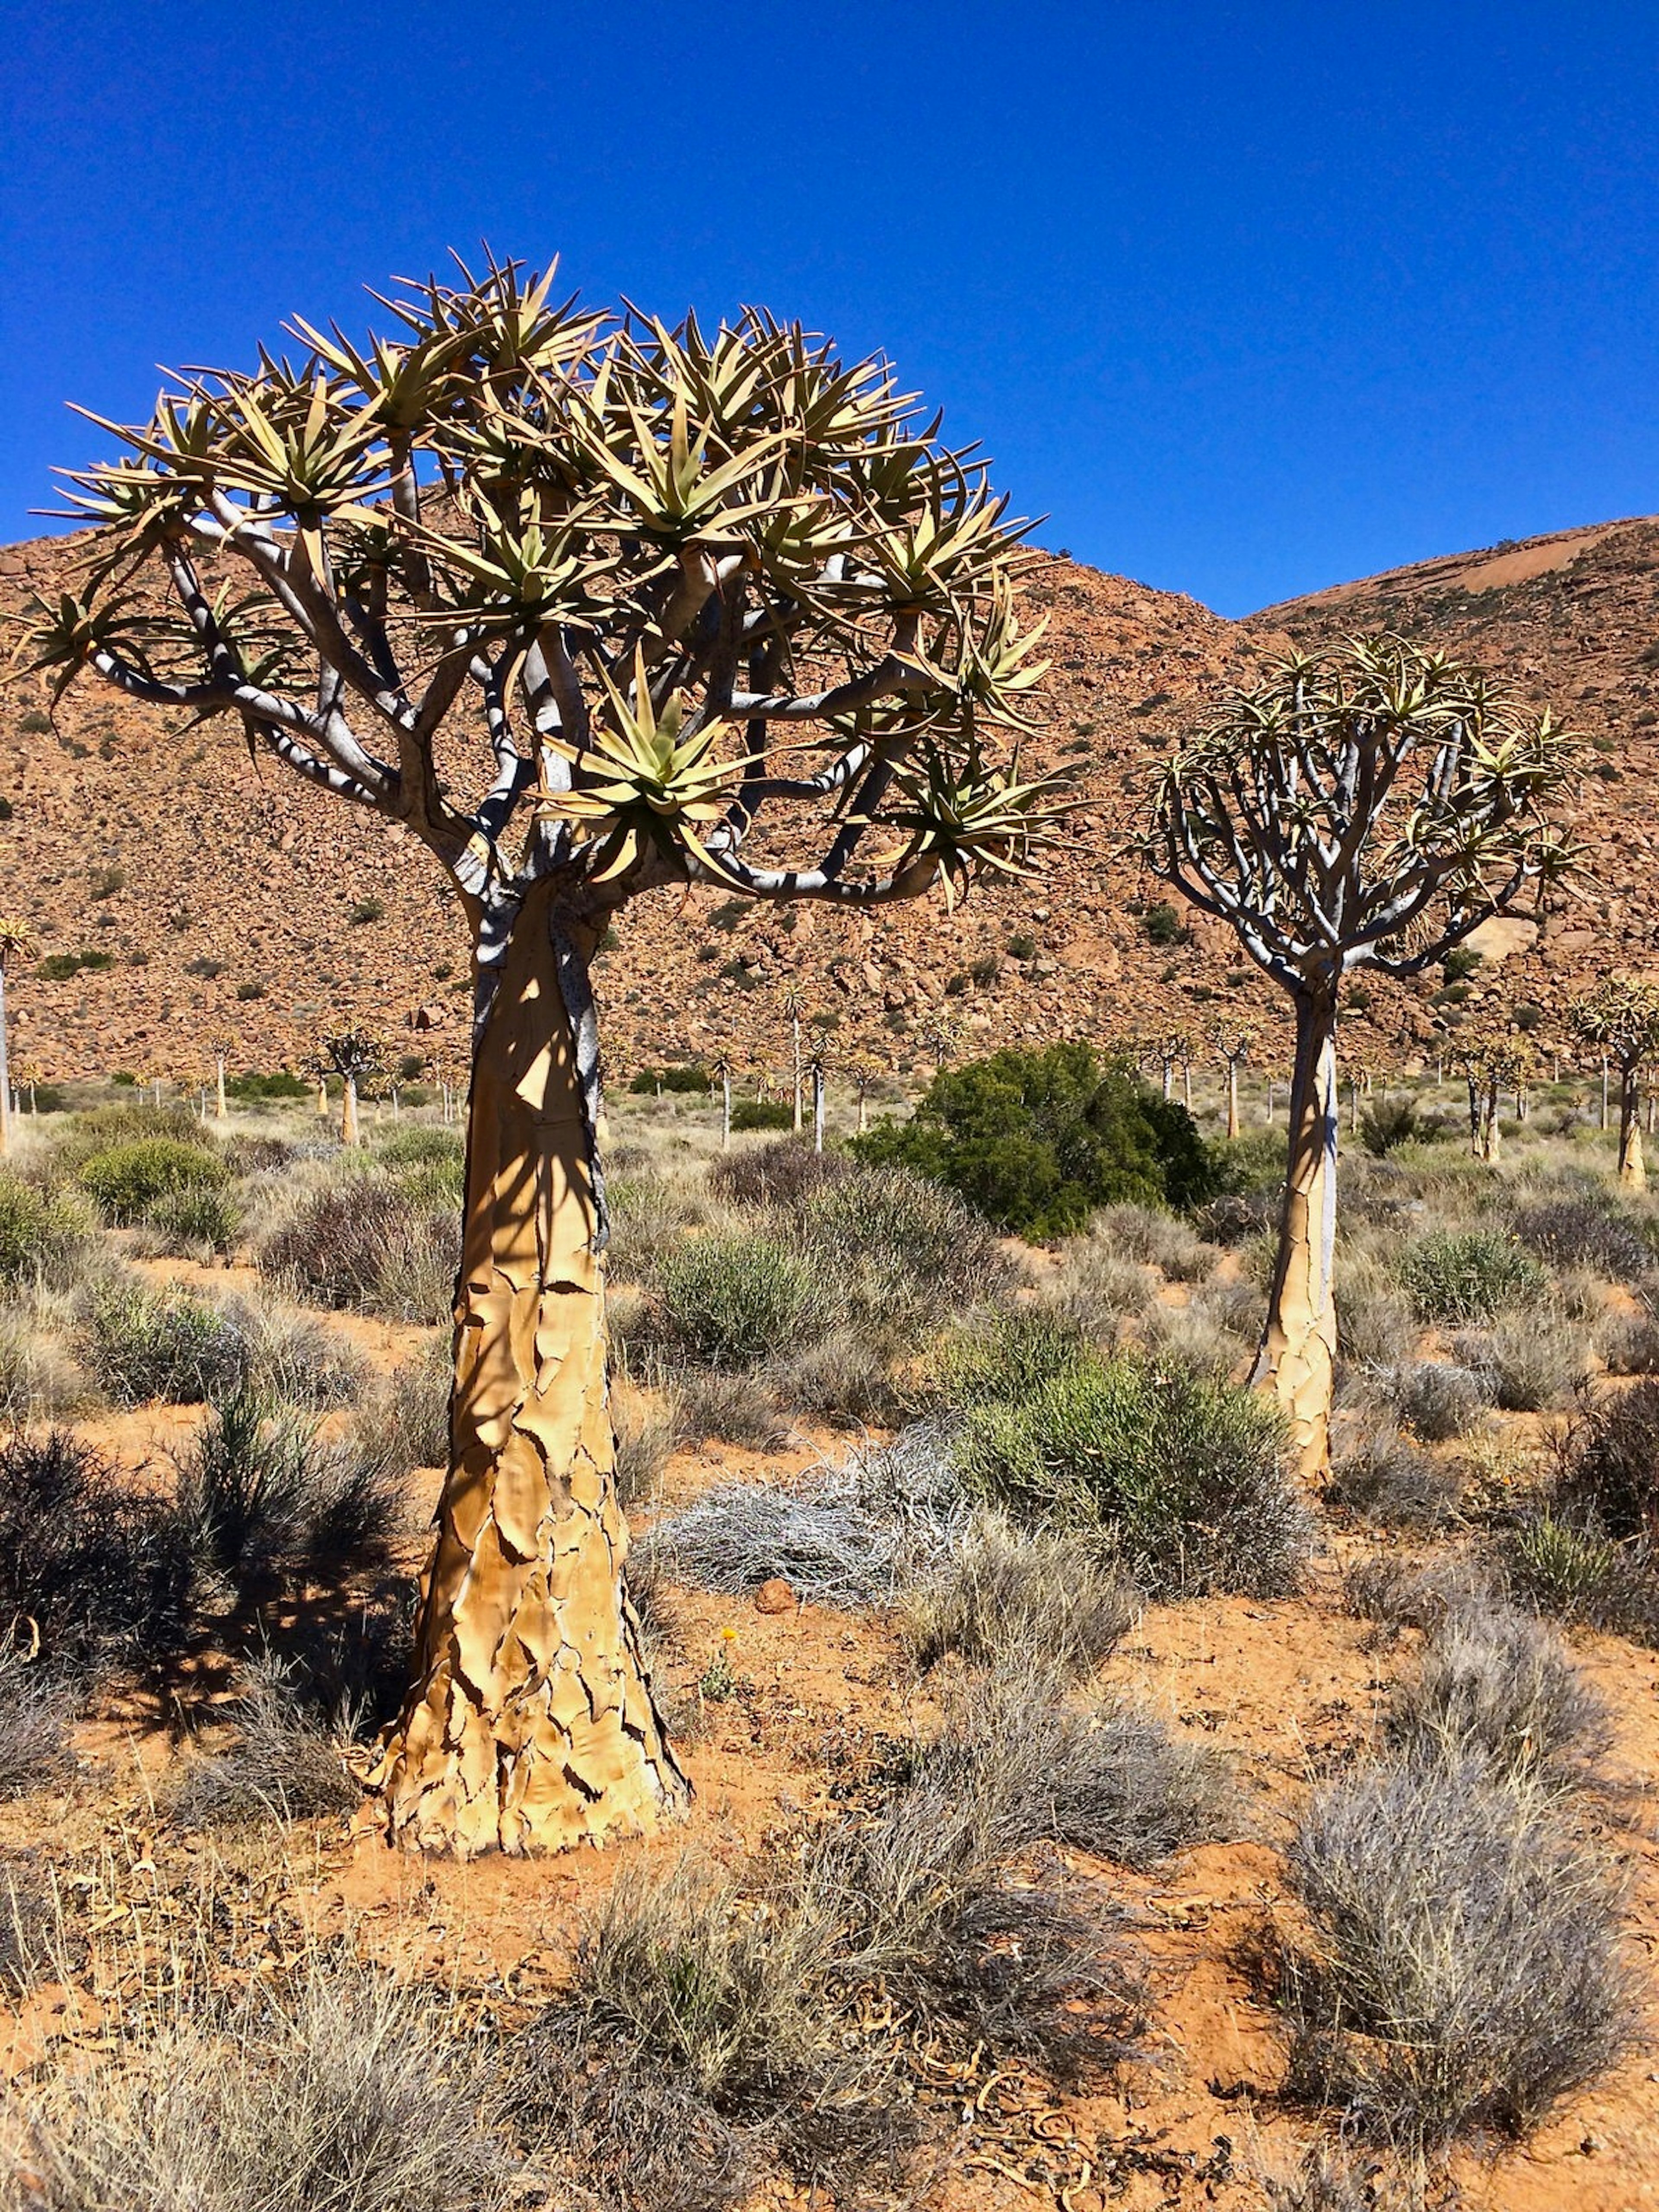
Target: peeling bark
column 1232, row 1099
column 348, row 1111
column 531, row 1724
column 5, row 1072
column 1297, row 1357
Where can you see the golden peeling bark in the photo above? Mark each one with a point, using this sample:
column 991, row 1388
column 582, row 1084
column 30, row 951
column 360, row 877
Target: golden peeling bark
column 349, row 1112
column 1632, row 1168
column 1232, row 1099
column 531, row 1724
column 1298, row 1358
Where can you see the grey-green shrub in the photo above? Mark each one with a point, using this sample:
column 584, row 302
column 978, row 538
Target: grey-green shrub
column 1188, row 1475
column 139, row 1344
column 44, row 1233
column 1469, row 1275
column 732, row 1301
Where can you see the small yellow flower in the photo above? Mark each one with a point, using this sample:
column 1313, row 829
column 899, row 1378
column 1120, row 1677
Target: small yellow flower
column 728, row 1636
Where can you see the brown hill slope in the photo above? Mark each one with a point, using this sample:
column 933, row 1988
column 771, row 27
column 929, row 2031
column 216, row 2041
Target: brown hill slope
column 219, row 893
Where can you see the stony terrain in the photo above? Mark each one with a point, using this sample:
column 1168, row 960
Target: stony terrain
column 225, row 894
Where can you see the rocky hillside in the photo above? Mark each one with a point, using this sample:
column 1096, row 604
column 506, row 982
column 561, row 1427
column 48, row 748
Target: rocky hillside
column 181, row 888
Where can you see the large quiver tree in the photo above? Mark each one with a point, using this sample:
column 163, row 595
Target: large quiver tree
column 1620, row 1019
column 1363, row 807
column 592, row 606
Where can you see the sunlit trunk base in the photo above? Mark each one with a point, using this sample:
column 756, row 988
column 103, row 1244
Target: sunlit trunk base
column 1632, row 1168
column 1298, row 1358
column 1232, row 1100
column 349, row 1112
column 531, row 1724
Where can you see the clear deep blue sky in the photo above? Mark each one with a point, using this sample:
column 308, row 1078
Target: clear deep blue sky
column 1247, row 299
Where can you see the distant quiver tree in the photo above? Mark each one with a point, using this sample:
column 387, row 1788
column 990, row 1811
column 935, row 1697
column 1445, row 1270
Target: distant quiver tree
column 18, row 943
column 1367, row 806
column 1620, row 1019
column 701, row 607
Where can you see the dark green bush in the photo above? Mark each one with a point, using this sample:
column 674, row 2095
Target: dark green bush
column 762, row 1114
column 250, row 1090
column 1163, row 924
column 1036, row 1140
column 650, row 1080
column 186, row 1220
column 127, row 1181
column 1187, row 1474
column 1386, row 1123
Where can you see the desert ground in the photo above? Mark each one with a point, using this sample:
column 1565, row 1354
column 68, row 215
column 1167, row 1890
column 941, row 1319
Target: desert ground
column 1243, row 1848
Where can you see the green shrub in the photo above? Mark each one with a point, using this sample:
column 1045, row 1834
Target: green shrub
column 650, row 1080
column 1469, row 1275
column 252, row 1090
column 42, row 1233
column 1036, row 1140
column 416, row 1145
column 733, row 1301
column 127, row 1180
column 60, row 967
column 762, row 1114
column 1163, row 924
column 1186, row 1473
column 1387, row 1123
column 371, row 1244
column 140, row 1344
column 201, row 1215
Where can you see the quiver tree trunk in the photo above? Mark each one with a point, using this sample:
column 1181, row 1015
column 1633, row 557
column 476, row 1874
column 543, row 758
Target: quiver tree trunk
column 219, row 1108
column 1632, row 1168
column 1232, row 1098
column 349, row 1110
column 530, row 1725
column 1297, row 1358
column 5, row 1073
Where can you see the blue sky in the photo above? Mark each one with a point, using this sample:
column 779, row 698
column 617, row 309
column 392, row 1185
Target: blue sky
column 1247, row 299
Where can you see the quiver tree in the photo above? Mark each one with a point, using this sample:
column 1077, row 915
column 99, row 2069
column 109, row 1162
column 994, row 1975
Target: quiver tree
column 721, row 1073
column 18, row 943
column 1234, row 1043
column 1366, row 806
column 793, row 1003
column 591, row 606
column 358, row 1058
column 1491, row 1062
column 1620, row 1019
column 220, row 1046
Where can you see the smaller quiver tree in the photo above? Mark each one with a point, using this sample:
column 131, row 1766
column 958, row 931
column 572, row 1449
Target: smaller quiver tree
column 1366, row 806
column 1234, row 1043
column 1620, row 1019
column 17, row 944
column 221, row 1045
column 1491, row 1062
column 356, row 1058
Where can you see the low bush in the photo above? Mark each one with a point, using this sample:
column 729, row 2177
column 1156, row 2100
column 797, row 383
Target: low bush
column 283, row 1763
column 126, row 1180
column 367, row 1244
column 45, row 1235
column 1589, row 1230
column 752, row 1114
column 1158, row 1239
column 785, row 1174
column 1561, row 1566
column 849, row 1535
column 896, row 1253
column 329, row 2085
column 1386, row 1480
column 38, row 1380
column 1629, row 1343
column 1462, row 1969
column 188, row 1224
column 1610, row 1471
column 1108, row 1778
column 1096, row 1289
column 646, row 1433
column 293, row 1359
column 1188, row 1475
column 35, row 1710
column 1492, row 1685
column 1005, row 1595
column 264, row 1504
column 1387, row 1123
column 1002, row 1357
column 1398, row 1592
column 733, row 1300
column 1437, row 1400
column 1525, row 1363
column 1469, row 1275
column 740, row 1409
column 96, row 1566
column 140, row 1344
column 1036, row 1140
